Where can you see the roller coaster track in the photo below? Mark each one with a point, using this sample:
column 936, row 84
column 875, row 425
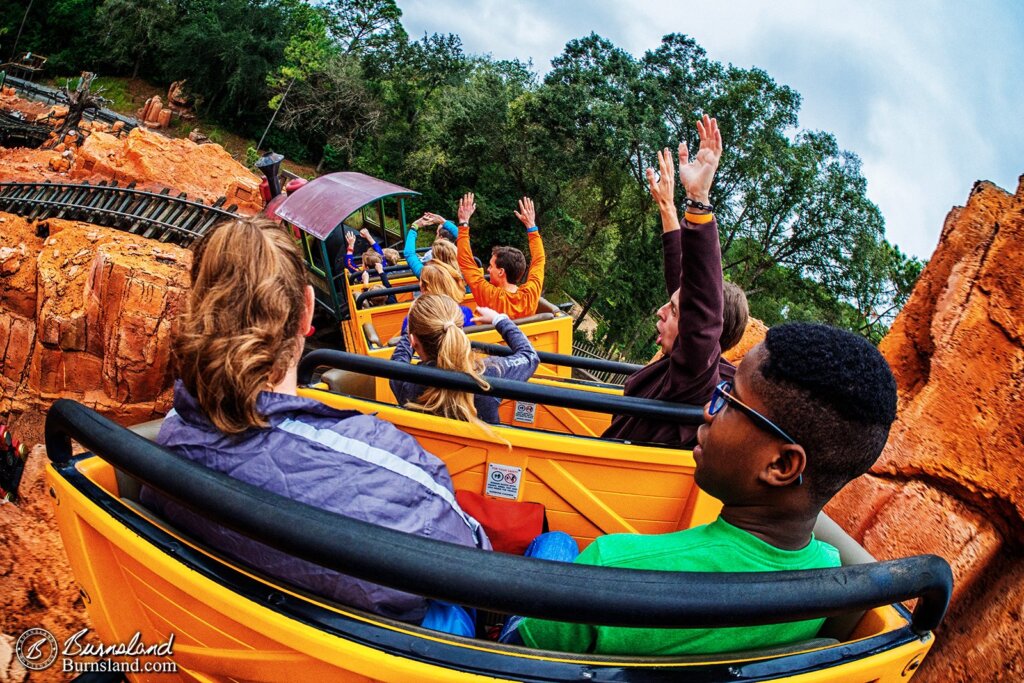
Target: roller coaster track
column 18, row 132
column 159, row 216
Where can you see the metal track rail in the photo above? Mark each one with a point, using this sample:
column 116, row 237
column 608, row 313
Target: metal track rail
column 16, row 132
column 47, row 94
column 160, row 216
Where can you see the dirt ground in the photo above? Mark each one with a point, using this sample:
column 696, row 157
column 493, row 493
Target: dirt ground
column 37, row 588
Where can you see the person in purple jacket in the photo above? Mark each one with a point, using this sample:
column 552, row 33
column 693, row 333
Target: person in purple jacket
column 236, row 411
column 703, row 317
column 435, row 334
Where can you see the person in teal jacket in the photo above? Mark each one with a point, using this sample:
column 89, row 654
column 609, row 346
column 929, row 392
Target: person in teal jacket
column 446, row 230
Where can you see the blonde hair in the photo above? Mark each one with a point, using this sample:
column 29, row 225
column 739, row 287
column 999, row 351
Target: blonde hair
column 436, row 321
column 444, row 251
column 371, row 258
column 240, row 332
column 391, row 256
column 440, row 278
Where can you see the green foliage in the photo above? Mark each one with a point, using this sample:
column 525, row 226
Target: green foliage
column 252, row 155
column 351, row 91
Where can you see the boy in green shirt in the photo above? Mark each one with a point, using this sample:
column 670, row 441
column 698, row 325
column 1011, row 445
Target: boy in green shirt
column 808, row 411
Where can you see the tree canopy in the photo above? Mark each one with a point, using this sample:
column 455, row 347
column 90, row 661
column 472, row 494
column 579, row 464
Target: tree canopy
column 353, row 91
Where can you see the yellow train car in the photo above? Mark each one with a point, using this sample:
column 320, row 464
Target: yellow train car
column 230, row 622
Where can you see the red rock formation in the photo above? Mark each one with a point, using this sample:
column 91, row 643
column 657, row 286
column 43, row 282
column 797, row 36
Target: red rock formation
column 950, row 481
column 752, row 336
column 154, row 161
column 87, row 314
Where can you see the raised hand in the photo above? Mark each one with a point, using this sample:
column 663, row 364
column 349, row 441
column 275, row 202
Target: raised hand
column 350, row 238
column 663, row 184
column 431, row 219
column 696, row 175
column 367, row 236
column 526, row 213
column 484, row 316
column 467, row 206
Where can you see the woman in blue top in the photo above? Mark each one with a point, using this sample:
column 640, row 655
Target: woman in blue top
column 435, row 334
column 447, row 231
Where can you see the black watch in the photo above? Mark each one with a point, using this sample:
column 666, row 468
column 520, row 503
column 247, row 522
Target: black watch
column 694, row 204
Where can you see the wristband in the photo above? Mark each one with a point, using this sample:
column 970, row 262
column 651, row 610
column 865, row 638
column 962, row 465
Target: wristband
column 699, row 218
column 533, row 229
column 694, row 204
column 414, row 227
column 348, row 251
column 464, row 224
column 498, row 318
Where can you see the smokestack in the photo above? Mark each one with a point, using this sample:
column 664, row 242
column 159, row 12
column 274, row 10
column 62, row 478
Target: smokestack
column 270, row 164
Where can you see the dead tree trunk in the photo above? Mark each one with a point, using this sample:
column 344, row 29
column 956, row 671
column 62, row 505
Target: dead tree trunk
column 79, row 101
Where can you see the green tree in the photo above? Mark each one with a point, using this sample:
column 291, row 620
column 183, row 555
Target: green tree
column 364, row 26
column 331, row 106
column 129, row 28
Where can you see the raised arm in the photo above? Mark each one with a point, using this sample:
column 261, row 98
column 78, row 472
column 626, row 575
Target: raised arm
column 474, row 276
column 350, row 242
column 696, row 352
column 437, row 219
column 384, row 281
column 662, row 188
column 409, row 250
column 373, row 243
column 534, row 285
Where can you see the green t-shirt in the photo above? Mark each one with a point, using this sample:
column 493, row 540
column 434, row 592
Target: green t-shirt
column 715, row 547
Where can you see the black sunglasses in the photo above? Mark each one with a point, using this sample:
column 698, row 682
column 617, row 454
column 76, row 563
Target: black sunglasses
column 722, row 395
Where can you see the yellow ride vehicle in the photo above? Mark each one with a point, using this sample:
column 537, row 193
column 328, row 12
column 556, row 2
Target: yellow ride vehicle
column 137, row 573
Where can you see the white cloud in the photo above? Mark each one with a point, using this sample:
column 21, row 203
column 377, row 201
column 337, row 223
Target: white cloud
column 928, row 95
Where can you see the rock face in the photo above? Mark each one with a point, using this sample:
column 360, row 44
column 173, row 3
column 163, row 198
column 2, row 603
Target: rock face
column 97, row 152
column 154, row 161
column 87, row 314
column 950, row 480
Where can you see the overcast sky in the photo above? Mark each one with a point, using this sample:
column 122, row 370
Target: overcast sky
column 930, row 95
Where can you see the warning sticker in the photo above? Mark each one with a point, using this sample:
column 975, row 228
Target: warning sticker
column 525, row 412
column 503, row 481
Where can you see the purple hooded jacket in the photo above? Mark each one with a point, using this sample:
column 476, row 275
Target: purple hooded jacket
column 345, row 462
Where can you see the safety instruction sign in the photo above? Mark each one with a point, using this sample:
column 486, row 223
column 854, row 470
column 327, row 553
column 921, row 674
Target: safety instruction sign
column 503, row 481
column 525, row 412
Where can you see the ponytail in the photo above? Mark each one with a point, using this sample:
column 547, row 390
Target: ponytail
column 437, row 323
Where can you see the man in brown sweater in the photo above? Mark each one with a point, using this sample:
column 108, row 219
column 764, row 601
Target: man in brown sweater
column 700, row 320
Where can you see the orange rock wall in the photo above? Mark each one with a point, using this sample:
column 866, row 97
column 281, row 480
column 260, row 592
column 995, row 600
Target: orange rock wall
column 154, row 161
column 87, row 313
column 950, row 481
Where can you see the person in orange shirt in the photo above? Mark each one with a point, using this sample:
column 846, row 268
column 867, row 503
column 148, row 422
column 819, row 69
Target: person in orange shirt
column 503, row 293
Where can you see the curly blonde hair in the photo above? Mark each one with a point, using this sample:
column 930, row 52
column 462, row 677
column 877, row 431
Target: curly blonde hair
column 240, row 332
column 444, row 251
column 440, row 278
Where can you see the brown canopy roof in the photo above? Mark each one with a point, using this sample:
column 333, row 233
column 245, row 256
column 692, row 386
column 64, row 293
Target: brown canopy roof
column 322, row 204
